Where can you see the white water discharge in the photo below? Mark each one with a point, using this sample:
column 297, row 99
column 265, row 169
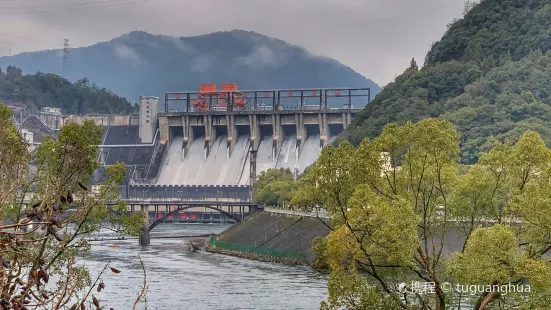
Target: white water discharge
column 221, row 169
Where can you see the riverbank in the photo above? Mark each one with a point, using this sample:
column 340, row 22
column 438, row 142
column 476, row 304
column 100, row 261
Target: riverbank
column 252, row 256
column 269, row 236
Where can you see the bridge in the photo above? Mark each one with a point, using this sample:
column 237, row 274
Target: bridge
column 158, row 203
column 232, row 202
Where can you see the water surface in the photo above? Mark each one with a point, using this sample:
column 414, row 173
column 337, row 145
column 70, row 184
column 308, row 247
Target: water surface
column 179, row 279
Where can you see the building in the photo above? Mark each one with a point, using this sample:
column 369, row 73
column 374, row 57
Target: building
column 51, row 117
column 28, row 136
column 148, row 118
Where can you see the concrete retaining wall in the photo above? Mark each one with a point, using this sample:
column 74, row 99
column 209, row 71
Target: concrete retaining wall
column 289, row 238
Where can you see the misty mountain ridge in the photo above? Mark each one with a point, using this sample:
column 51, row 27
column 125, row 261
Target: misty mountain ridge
column 140, row 63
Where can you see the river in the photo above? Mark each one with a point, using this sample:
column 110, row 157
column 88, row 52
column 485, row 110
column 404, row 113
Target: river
column 179, row 279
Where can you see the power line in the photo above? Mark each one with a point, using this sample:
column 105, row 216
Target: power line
column 69, row 7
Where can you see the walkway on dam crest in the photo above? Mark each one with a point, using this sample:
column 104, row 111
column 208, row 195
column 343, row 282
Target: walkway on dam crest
column 322, row 214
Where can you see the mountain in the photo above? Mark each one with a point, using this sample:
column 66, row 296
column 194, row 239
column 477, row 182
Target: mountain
column 490, row 75
column 139, row 63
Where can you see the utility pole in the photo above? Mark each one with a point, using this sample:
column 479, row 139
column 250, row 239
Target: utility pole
column 66, row 52
column 9, row 52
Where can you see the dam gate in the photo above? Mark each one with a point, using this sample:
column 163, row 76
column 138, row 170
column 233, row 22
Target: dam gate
column 210, row 133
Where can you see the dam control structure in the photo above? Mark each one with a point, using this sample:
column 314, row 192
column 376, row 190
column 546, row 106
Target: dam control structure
column 210, row 133
column 196, row 157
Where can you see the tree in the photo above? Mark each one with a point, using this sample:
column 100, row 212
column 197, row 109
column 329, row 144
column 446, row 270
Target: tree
column 505, row 59
column 469, row 5
column 276, row 187
column 40, row 90
column 474, row 52
column 480, row 56
column 398, row 203
column 46, row 209
column 413, row 64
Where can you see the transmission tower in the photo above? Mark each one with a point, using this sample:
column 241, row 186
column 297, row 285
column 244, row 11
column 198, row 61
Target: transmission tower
column 66, row 52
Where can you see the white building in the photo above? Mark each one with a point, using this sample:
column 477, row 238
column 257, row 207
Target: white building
column 28, row 136
column 148, row 118
column 51, row 117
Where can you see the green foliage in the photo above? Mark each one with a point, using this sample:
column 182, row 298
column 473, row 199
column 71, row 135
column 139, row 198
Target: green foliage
column 13, row 156
column 319, row 250
column 276, row 187
column 349, row 290
column 495, row 27
column 503, row 104
column 70, row 158
column 45, row 196
column 489, row 76
column 414, row 95
column 398, row 204
column 50, row 90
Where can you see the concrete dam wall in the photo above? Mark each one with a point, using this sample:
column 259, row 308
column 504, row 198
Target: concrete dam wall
column 221, row 168
column 213, row 148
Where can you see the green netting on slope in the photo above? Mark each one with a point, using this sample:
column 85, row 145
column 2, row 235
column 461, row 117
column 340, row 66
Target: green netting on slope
column 259, row 250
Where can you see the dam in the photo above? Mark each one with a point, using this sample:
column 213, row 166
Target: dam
column 209, row 142
column 205, row 137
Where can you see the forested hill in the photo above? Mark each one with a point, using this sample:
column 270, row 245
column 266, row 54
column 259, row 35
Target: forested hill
column 490, row 75
column 40, row 90
column 140, row 63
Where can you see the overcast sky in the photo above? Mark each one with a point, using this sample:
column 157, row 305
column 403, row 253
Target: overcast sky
column 375, row 37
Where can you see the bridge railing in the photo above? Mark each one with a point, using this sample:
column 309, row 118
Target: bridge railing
column 272, row 99
column 179, row 200
column 183, row 193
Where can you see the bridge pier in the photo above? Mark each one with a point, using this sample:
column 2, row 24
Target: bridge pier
column 210, row 133
column 278, row 133
column 324, row 129
column 232, row 132
column 255, row 131
column 188, row 134
column 301, row 132
column 144, row 236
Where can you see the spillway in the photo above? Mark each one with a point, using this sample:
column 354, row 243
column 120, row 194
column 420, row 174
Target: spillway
column 218, row 168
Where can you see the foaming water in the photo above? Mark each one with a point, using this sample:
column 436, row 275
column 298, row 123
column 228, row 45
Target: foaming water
column 215, row 167
column 238, row 166
column 219, row 168
column 169, row 170
column 297, row 160
column 288, row 155
column 310, row 152
column 265, row 155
